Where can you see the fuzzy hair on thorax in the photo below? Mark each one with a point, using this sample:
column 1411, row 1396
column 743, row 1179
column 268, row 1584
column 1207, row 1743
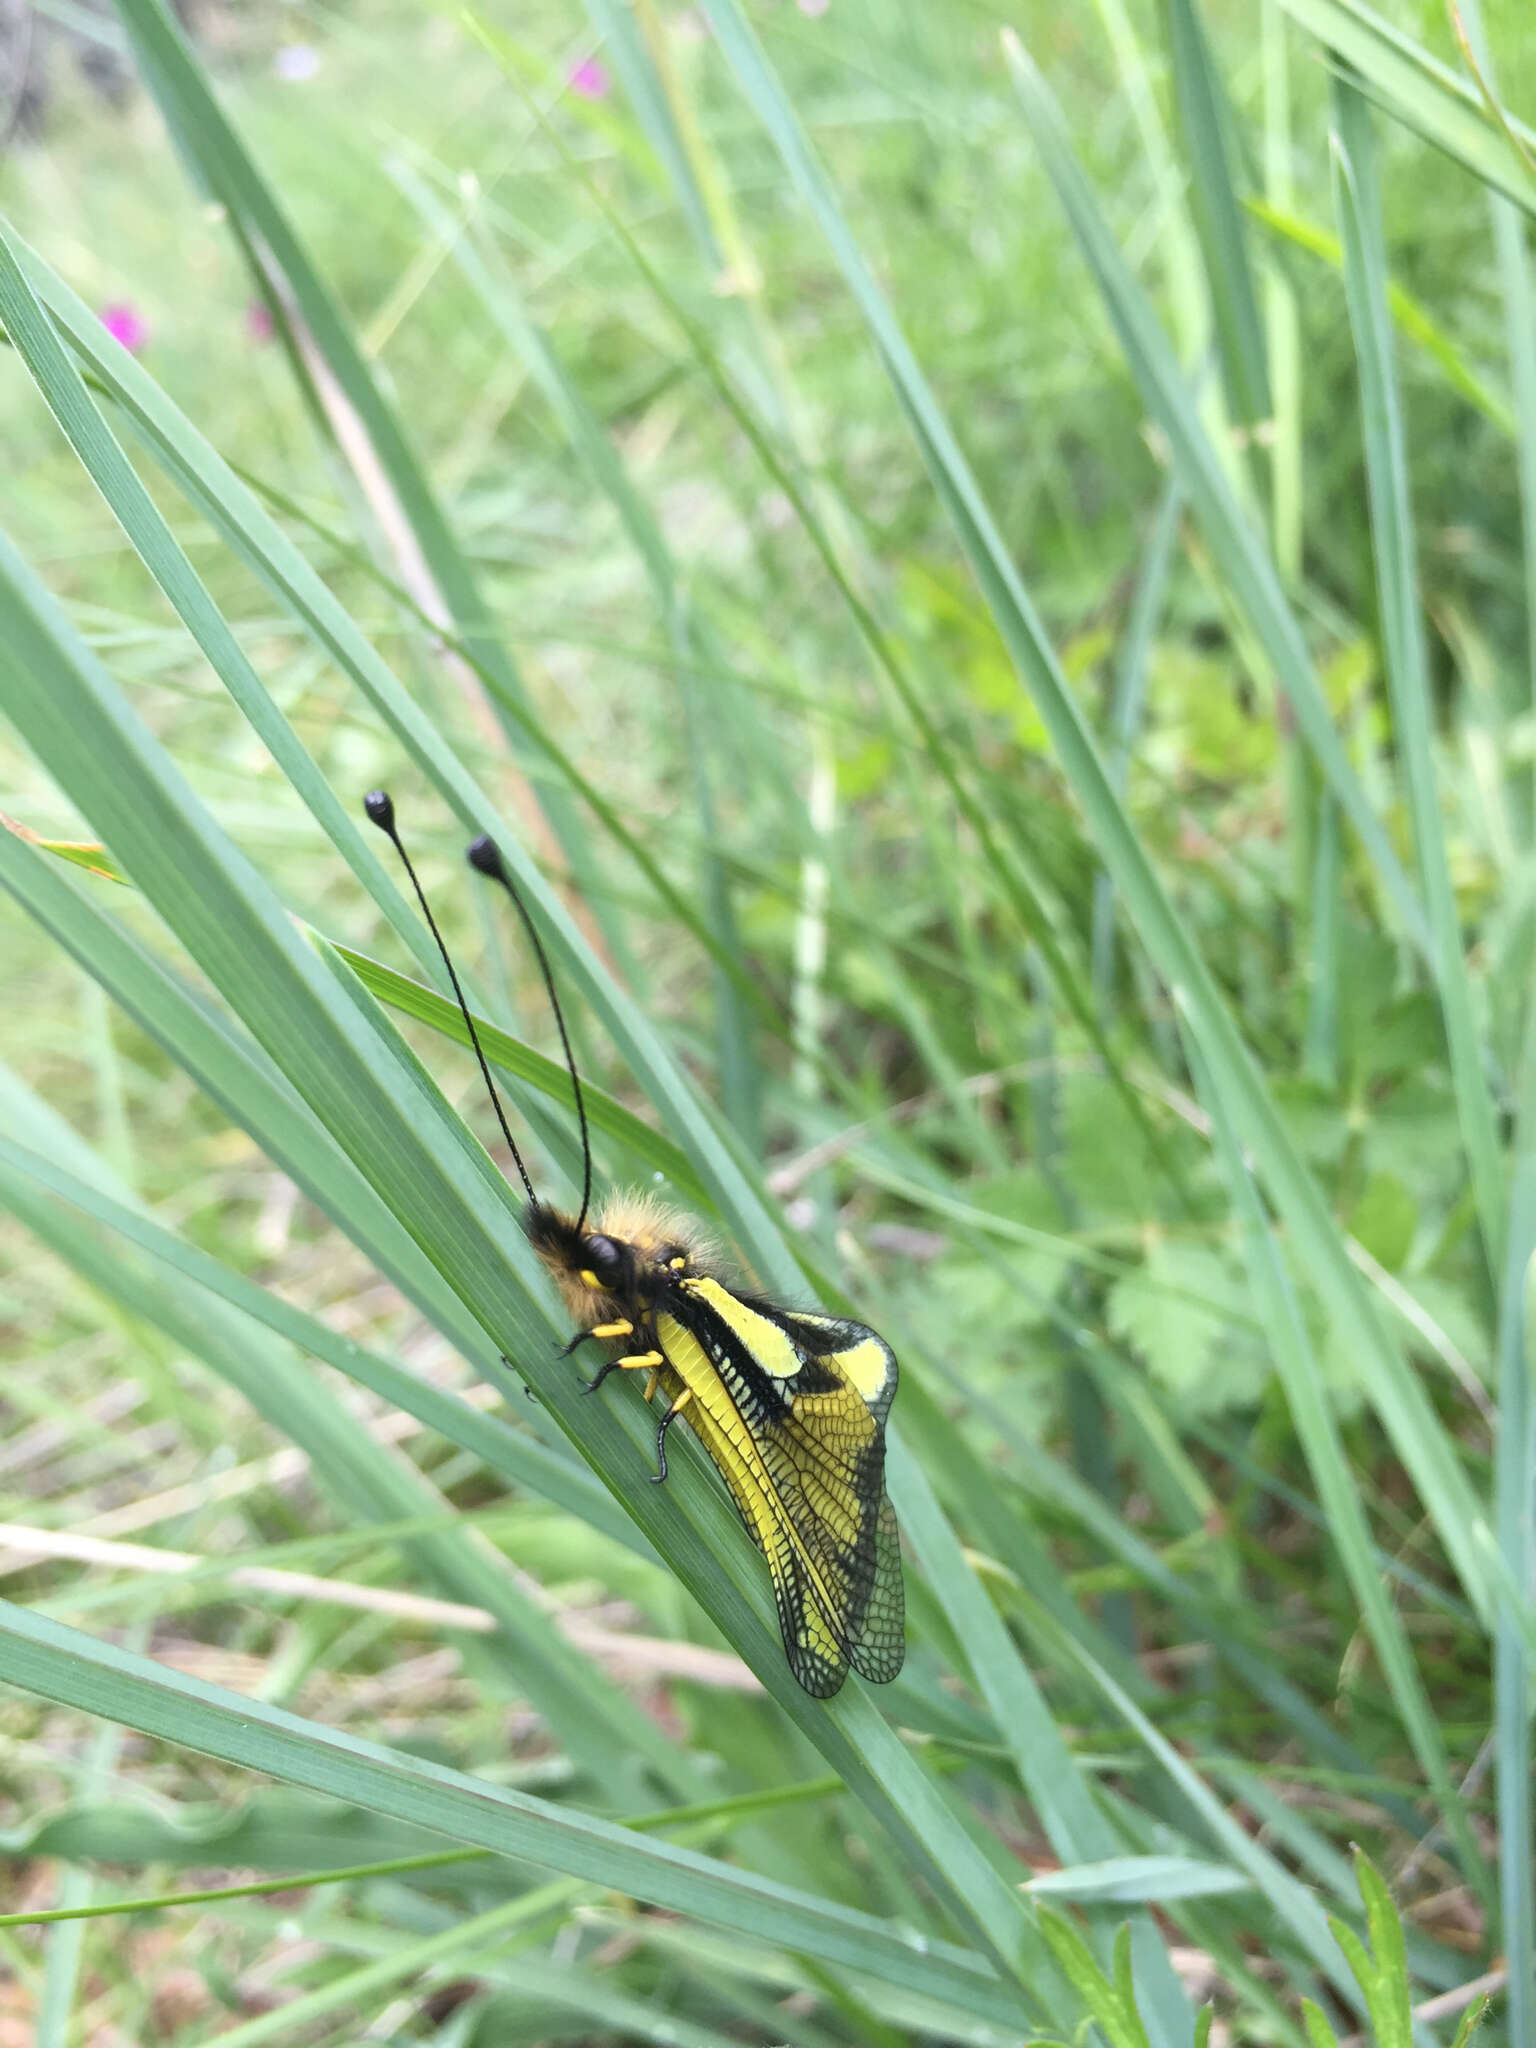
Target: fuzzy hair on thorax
column 652, row 1235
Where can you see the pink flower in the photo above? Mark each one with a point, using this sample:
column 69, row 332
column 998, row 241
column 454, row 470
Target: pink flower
column 126, row 324
column 813, row 7
column 258, row 320
column 589, row 80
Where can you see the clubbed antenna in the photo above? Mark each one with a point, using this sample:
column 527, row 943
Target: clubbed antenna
column 381, row 811
column 485, row 858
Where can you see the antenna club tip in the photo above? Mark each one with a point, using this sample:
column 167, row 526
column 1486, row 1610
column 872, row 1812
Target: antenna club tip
column 380, row 807
column 485, row 857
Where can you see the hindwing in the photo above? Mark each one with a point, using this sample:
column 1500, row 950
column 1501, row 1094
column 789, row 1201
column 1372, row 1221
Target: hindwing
column 791, row 1408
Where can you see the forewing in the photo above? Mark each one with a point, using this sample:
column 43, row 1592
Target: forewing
column 791, row 1409
column 816, row 1656
column 869, row 1366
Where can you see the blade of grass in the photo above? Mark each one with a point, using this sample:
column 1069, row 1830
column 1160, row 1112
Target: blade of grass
column 60, row 1663
column 1005, row 856
column 1296, row 1360
column 1282, row 312
column 1206, row 122
column 1418, row 90
column 735, row 1197
column 1402, row 628
column 286, row 277
column 1514, row 1486
column 1125, row 713
column 367, row 1478
column 1320, row 1044
column 552, row 1474
column 645, row 87
column 1047, row 1769
column 1139, row 81
column 234, row 1074
column 740, row 1080
column 513, row 1057
column 1413, row 320
column 336, row 1049
column 1509, row 237
column 1294, row 1905
column 34, row 341
column 1248, row 572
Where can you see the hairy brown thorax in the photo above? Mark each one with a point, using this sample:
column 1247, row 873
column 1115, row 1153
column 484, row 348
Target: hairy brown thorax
column 628, row 1254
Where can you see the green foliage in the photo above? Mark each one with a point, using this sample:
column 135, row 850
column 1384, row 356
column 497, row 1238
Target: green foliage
column 985, row 588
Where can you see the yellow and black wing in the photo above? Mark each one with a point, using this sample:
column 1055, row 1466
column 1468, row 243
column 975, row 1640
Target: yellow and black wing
column 791, row 1408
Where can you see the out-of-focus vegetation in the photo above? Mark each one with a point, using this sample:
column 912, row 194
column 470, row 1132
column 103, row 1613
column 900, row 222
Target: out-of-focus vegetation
column 988, row 558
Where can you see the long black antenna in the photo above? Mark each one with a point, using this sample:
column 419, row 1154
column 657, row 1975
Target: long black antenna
column 485, row 858
column 381, row 811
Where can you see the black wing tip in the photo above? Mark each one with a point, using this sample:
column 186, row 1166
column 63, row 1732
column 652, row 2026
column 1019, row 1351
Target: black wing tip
column 878, row 1663
column 822, row 1682
column 875, row 1663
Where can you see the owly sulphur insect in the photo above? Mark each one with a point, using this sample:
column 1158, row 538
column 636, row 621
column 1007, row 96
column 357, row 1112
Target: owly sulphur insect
column 790, row 1405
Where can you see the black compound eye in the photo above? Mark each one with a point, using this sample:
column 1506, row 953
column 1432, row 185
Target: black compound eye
column 604, row 1257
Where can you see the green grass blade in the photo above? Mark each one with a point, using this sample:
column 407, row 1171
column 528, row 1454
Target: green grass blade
column 1509, row 237
column 1126, row 711
column 336, row 1050
column 740, row 1080
column 1206, row 122
column 1419, row 91
column 1402, row 628
column 32, row 336
column 604, row 1114
column 515, row 1455
column 1296, row 1360
column 1413, row 320
column 1392, row 1385
column 1282, row 305
column 369, row 1479
column 1248, row 571
column 1140, row 82
column 1292, row 1902
column 233, row 1074
column 623, row 30
column 60, row 1663
column 218, row 157
column 1515, row 1519
column 1058, row 1789
column 734, row 1196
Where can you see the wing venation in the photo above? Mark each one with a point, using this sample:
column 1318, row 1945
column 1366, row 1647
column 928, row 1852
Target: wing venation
column 791, row 1408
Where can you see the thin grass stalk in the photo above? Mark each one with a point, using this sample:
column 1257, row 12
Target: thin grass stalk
column 1402, row 625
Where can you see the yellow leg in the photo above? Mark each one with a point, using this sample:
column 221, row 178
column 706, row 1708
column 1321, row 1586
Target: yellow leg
column 612, row 1330
column 652, row 1383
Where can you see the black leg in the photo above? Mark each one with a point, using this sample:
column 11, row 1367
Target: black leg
column 592, row 1385
column 581, row 1337
column 661, row 1438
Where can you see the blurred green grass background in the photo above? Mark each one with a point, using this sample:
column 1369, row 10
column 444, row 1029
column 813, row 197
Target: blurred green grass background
column 1215, row 1450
